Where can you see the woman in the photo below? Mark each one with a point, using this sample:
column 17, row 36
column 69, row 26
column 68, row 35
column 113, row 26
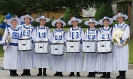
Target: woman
column 58, row 34
column 11, row 55
column 41, row 32
column 90, row 58
column 104, row 61
column 26, row 57
column 74, row 60
column 121, row 53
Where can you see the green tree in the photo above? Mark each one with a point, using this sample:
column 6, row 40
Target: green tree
column 104, row 10
column 21, row 7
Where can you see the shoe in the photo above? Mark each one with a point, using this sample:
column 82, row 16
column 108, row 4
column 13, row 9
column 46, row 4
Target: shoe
column 78, row 74
column 93, row 74
column 89, row 74
column 118, row 76
column 108, row 75
column 60, row 74
column 40, row 72
column 104, row 75
column 71, row 74
column 12, row 73
column 56, row 74
column 28, row 73
column 15, row 72
column 44, row 74
column 24, row 73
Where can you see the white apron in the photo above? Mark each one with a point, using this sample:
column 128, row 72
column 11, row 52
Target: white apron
column 104, row 61
column 121, row 53
column 74, row 60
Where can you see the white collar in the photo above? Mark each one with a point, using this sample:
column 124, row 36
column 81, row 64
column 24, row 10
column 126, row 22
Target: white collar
column 121, row 24
column 92, row 28
column 75, row 28
column 28, row 25
column 106, row 27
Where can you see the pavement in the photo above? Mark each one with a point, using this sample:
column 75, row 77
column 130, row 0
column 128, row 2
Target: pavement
column 4, row 74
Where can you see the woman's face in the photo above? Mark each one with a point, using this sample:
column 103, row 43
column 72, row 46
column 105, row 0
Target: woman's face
column 42, row 21
column 75, row 23
column 58, row 25
column 120, row 19
column 14, row 23
column 106, row 22
column 91, row 24
column 27, row 20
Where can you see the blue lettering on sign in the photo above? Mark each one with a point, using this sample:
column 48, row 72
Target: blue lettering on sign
column 15, row 35
column 103, row 36
column 91, row 36
column 26, row 33
column 58, row 37
column 42, row 35
column 75, row 35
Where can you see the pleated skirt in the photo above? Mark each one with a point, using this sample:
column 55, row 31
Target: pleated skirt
column 89, row 62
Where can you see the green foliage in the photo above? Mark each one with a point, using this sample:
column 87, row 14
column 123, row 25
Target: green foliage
column 104, row 10
column 22, row 7
column 70, row 13
column 1, row 18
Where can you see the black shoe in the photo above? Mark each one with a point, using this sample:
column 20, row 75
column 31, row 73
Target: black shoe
column 56, row 74
column 24, row 73
column 28, row 72
column 71, row 74
column 93, row 74
column 122, row 77
column 104, row 75
column 39, row 74
column 11, row 74
column 89, row 74
column 15, row 72
column 118, row 76
column 108, row 75
column 78, row 74
column 44, row 74
column 60, row 74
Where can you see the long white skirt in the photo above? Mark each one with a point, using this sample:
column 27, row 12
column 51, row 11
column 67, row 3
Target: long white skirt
column 41, row 60
column 104, row 63
column 25, row 59
column 120, row 58
column 58, row 63
column 89, row 62
column 11, row 58
column 74, row 62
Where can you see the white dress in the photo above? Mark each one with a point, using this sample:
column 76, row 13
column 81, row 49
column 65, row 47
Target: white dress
column 26, row 57
column 74, row 60
column 58, row 63
column 90, row 58
column 41, row 60
column 121, row 53
column 11, row 55
column 104, row 61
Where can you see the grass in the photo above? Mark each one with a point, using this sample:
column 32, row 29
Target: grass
column 130, row 48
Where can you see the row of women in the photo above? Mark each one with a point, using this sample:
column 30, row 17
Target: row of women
column 74, row 62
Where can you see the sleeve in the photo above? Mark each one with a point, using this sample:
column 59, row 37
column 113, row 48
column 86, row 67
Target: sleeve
column 82, row 34
column 85, row 35
column 64, row 36
column 34, row 34
column 126, row 34
column 114, row 28
column 99, row 34
column 51, row 36
column 48, row 31
column 4, row 37
column 68, row 35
